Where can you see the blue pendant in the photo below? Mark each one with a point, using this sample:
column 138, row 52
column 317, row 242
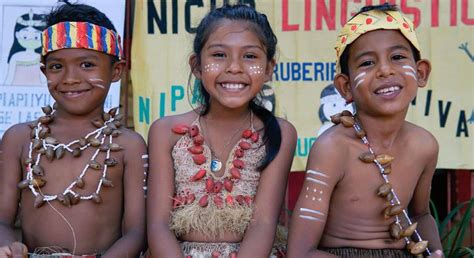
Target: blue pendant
column 216, row 165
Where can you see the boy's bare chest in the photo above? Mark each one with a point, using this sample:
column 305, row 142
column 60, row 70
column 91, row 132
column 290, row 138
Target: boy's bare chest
column 361, row 181
column 81, row 176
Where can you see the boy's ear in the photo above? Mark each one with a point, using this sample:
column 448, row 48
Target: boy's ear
column 117, row 70
column 269, row 71
column 195, row 69
column 342, row 84
column 423, row 69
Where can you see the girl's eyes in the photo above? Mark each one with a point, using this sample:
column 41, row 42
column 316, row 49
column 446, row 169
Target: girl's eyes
column 250, row 56
column 218, row 54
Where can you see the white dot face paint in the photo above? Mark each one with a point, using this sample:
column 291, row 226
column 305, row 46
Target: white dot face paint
column 255, row 69
column 411, row 71
column 359, row 79
column 210, row 67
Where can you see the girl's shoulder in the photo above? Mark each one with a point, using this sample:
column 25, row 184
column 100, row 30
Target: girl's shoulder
column 169, row 122
column 286, row 127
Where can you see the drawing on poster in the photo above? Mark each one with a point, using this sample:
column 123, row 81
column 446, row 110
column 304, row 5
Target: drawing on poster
column 331, row 103
column 23, row 60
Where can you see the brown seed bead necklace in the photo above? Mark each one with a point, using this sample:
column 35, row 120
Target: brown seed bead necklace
column 383, row 163
column 45, row 145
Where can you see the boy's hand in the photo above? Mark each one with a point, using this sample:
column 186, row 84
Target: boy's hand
column 5, row 251
column 18, row 250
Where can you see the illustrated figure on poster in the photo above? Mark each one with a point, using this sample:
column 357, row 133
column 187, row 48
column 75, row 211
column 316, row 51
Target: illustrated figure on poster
column 24, row 57
column 331, row 103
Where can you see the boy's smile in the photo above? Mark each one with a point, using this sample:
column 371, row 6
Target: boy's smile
column 383, row 74
column 79, row 79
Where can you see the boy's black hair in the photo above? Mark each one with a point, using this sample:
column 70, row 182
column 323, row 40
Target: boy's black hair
column 79, row 13
column 258, row 23
column 343, row 61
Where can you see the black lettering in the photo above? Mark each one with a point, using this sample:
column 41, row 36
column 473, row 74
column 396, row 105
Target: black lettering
column 174, row 9
column 428, row 102
column 153, row 16
column 187, row 14
column 462, row 125
column 443, row 115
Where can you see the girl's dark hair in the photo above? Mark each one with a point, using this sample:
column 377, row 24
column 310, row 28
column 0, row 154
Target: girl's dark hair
column 35, row 19
column 259, row 24
column 79, row 13
column 384, row 7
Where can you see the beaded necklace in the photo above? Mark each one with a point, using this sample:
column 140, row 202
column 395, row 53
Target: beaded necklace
column 45, row 145
column 383, row 163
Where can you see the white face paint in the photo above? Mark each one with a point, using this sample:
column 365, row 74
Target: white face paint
column 95, row 82
column 411, row 71
column 359, row 79
column 211, row 67
column 255, row 69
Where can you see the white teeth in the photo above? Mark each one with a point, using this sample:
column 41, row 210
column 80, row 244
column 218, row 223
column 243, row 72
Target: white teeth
column 233, row 86
column 388, row 90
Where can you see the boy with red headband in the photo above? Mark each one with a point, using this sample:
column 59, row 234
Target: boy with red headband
column 351, row 203
column 77, row 173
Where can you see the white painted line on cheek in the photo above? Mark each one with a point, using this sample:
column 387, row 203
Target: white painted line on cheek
column 99, row 86
column 96, row 80
column 412, row 75
column 410, row 68
column 359, row 75
column 358, row 83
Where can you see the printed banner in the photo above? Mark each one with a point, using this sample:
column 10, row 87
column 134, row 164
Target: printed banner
column 302, row 90
column 23, row 89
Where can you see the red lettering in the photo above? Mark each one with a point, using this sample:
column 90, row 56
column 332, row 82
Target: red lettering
column 434, row 13
column 343, row 12
column 328, row 15
column 285, row 25
column 411, row 10
column 307, row 15
column 464, row 13
column 454, row 13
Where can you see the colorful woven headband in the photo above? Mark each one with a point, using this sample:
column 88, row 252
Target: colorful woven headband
column 81, row 35
column 373, row 20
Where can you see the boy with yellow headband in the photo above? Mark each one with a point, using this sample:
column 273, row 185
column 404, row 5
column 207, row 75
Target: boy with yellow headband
column 76, row 171
column 367, row 186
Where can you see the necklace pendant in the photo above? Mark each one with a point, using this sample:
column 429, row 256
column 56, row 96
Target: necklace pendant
column 216, row 165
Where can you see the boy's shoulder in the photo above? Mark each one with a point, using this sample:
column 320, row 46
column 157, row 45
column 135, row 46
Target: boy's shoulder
column 336, row 137
column 18, row 133
column 129, row 137
column 417, row 137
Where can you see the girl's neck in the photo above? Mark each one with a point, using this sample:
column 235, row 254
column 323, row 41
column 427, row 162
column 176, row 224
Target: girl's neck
column 226, row 114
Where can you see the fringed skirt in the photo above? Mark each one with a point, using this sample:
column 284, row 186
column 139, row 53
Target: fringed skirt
column 348, row 252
